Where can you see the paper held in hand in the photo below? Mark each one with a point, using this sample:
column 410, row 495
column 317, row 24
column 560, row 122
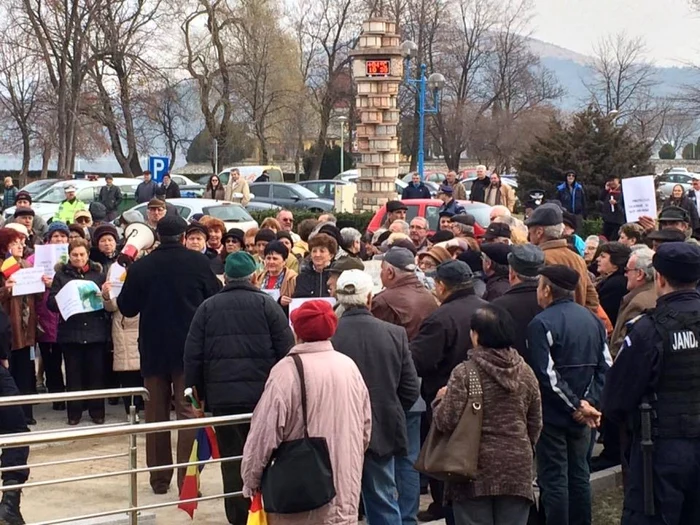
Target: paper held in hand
column 79, row 297
column 116, row 277
column 46, row 256
column 640, row 197
column 28, row 281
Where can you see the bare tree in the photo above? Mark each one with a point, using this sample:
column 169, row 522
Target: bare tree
column 679, row 127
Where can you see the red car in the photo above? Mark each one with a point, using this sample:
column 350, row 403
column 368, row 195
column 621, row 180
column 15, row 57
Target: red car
column 430, row 208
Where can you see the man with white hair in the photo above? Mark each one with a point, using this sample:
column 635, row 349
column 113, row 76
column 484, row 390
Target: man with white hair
column 479, row 186
column 418, row 232
column 381, row 352
column 286, row 220
column 399, row 226
column 546, row 229
column 497, row 212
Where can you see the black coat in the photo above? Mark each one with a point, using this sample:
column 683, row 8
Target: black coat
column 496, row 286
column 380, row 351
column 310, row 283
column 443, row 340
column 103, row 260
column 520, row 301
column 110, row 197
column 689, row 206
column 411, row 192
column 478, row 191
column 92, row 327
column 613, row 214
column 5, row 335
column 166, row 287
column 611, row 290
column 171, row 192
column 235, row 339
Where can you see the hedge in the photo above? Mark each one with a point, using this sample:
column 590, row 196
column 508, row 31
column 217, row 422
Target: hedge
column 592, row 227
column 359, row 221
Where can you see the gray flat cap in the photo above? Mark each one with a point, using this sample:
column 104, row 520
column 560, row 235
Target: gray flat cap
column 526, row 259
column 549, row 214
column 400, row 258
column 454, row 272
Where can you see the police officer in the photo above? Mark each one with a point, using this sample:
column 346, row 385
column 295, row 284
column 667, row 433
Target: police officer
column 658, row 370
column 11, row 421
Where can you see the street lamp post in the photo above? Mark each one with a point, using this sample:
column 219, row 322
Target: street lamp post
column 342, row 120
column 435, row 83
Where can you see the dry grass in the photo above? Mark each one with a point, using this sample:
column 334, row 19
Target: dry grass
column 607, row 508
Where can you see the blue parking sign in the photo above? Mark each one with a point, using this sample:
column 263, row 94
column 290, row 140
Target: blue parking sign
column 158, row 166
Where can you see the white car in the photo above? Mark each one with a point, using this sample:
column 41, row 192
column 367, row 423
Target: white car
column 46, row 204
column 232, row 213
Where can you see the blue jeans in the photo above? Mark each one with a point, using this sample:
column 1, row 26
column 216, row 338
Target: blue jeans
column 563, row 474
column 379, row 492
column 408, row 478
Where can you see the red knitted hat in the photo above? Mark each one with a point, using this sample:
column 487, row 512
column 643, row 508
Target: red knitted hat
column 314, row 321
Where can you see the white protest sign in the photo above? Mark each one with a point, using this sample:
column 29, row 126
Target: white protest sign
column 28, row 281
column 274, row 293
column 79, row 297
column 640, row 197
column 46, row 256
column 116, row 276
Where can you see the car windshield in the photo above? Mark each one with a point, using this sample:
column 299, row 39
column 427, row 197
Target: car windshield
column 480, row 213
column 36, row 187
column 228, row 213
column 54, row 195
column 304, row 193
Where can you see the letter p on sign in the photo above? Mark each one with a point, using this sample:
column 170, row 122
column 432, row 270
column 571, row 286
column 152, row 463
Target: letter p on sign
column 158, row 166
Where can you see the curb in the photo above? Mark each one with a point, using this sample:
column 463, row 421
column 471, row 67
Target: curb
column 607, row 479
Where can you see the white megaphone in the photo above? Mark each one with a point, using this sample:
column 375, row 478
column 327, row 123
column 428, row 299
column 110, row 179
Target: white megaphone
column 137, row 236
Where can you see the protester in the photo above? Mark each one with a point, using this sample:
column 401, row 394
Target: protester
column 329, row 217
column 416, row 189
column 502, row 492
column 546, row 228
column 568, row 352
column 155, row 211
column 301, row 247
column 570, row 234
column 249, row 241
column 110, row 196
column 478, row 191
column 499, row 194
column 25, row 217
column 495, row 265
column 83, row 337
column 589, row 252
column 286, row 220
column 166, row 287
column 233, row 241
column 498, row 232
column 612, row 287
column 631, row 234
column 428, row 261
column 22, row 313
column 270, row 223
column 313, row 277
column 418, row 232
column 520, row 300
column 441, row 344
column 216, row 230
column 39, row 226
column 680, row 199
column 462, row 225
column 395, row 211
column 104, row 250
column 67, row 208
column 76, row 232
column 169, row 189
column 9, row 194
column 147, row 189
column 380, row 350
column 237, row 189
column 276, row 276
column 449, row 203
column 498, row 212
column 573, row 197
column 234, row 340
column 214, row 189
column 657, row 367
column 341, row 414
column 613, row 205
column 694, row 192
column 458, row 191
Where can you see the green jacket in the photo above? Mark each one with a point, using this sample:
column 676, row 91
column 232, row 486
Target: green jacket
column 66, row 210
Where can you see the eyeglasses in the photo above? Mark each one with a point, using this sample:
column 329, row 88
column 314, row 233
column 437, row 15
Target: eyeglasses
column 83, row 220
column 232, row 241
column 630, row 269
column 416, row 227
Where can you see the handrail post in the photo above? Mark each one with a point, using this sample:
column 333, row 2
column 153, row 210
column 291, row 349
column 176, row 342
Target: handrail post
column 133, row 465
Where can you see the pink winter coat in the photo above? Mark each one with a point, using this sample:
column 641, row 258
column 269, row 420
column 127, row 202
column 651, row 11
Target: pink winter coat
column 338, row 409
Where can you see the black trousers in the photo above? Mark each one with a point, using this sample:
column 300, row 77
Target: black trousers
column 129, row 379
column 12, row 421
column 24, row 374
column 231, row 439
column 52, row 356
column 85, row 371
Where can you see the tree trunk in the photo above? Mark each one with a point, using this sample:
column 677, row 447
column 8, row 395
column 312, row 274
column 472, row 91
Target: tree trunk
column 26, row 157
column 45, row 159
column 321, row 141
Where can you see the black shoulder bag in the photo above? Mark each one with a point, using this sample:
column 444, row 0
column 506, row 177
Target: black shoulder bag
column 299, row 477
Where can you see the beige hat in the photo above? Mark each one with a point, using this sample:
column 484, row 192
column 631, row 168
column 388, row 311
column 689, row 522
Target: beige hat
column 21, row 228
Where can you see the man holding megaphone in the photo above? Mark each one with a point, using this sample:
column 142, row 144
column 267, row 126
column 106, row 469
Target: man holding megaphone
column 166, row 288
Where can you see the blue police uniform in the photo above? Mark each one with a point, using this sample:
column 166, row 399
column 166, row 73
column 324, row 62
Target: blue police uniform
column 660, row 361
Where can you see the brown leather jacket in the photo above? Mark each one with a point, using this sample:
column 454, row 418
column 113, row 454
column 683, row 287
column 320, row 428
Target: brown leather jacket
column 557, row 252
column 633, row 304
column 404, row 302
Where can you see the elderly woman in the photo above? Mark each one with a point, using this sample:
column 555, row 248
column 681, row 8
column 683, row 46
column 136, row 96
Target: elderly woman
column 434, row 257
column 216, row 230
column 352, row 241
column 612, row 286
column 233, row 241
column 104, row 250
column 589, row 251
column 22, row 313
column 276, row 276
column 83, row 336
column 631, row 234
column 502, row 493
column 339, row 411
column 679, row 199
column 249, row 241
column 313, row 278
column 271, row 224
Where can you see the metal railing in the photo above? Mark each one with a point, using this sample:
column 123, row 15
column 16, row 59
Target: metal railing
column 132, row 430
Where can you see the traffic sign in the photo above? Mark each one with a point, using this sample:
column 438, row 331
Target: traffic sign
column 158, row 166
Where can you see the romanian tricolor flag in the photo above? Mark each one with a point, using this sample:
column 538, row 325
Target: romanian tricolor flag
column 256, row 514
column 9, row 266
column 204, row 447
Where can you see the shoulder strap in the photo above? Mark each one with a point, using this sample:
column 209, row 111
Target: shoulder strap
column 300, row 371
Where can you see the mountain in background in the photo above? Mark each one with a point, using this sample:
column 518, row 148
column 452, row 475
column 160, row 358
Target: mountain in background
column 571, row 69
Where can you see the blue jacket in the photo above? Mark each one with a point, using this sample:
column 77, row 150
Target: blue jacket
column 568, row 351
column 453, row 207
column 574, row 200
column 413, row 192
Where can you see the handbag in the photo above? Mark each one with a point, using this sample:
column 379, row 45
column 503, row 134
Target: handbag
column 299, row 477
column 454, row 457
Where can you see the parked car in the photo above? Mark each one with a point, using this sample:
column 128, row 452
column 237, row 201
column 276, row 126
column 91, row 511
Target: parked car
column 46, row 203
column 188, row 188
column 249, row 173
column 324, row 188
column 354, row 175
column 290, row 196
column 36, row 187
column 430, row 208
column 233, row 214
column 666, row 181
column 428, row 176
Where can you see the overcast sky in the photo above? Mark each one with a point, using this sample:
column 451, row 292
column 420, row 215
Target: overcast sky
column 671, row 29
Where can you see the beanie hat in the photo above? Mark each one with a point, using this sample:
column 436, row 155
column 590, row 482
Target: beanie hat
column 314, row 321
column 57, row 226
column 23, row 196
column 239, row 265
column 102, row 230
column 98, row 211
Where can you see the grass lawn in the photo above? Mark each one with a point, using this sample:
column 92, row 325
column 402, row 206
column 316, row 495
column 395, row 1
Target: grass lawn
column 607, row 508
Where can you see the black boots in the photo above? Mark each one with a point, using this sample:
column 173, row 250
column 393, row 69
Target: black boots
column 9, row 506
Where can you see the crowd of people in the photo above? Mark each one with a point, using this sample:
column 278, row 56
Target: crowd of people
column 283, row 321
